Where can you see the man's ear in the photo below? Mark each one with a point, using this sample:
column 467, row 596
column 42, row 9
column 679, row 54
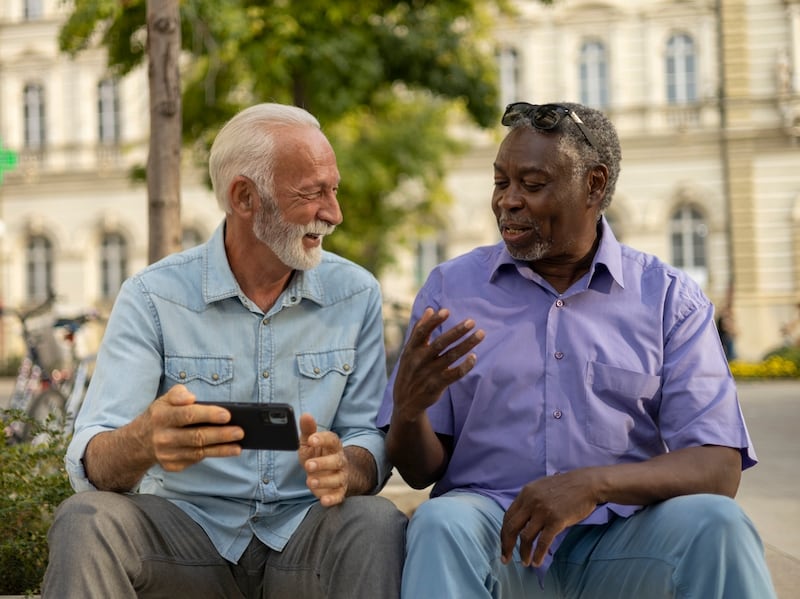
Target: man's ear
column 241, row 195
column 597, row 181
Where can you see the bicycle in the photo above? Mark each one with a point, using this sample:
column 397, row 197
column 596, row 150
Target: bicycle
column 52, row 377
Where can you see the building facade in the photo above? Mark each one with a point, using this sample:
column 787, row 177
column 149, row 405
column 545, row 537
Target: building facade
column 704, row 94
column 705, row 98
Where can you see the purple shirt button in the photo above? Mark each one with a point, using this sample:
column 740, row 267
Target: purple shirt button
column 557, row 414
column 559, row 355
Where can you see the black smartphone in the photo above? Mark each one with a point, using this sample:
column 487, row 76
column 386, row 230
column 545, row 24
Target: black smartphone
column 266, row 426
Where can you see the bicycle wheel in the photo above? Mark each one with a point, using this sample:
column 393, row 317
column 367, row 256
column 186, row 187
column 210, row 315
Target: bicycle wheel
column 49, row 404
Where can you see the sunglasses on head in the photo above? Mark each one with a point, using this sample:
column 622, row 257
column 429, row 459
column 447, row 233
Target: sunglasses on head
column 546, row 117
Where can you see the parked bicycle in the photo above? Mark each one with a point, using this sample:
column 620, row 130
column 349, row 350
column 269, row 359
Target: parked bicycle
column 53, row 376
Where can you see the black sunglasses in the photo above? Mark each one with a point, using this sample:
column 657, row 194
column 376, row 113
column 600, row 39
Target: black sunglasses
column 546, row 117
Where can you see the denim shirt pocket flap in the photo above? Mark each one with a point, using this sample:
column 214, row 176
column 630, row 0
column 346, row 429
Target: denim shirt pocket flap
column 316, row 365
column 210, row 370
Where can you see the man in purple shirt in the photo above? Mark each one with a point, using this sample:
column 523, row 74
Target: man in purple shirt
column 579, row 422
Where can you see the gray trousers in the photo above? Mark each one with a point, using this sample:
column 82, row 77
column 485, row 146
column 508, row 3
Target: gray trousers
column 115, row 546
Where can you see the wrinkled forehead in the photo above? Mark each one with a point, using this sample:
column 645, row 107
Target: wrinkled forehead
column 528, row 147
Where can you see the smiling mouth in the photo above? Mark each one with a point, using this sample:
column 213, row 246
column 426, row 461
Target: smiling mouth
column 514, row 230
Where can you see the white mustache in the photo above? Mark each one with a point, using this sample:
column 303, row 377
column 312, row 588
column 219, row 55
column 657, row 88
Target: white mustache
column 319, row 228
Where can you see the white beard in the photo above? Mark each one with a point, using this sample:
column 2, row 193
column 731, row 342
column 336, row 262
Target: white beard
column 286, row 239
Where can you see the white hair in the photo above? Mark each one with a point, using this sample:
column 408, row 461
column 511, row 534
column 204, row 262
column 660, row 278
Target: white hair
column 246, row 146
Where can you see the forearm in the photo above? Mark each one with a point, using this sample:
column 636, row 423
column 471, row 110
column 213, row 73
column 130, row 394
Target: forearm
column 415, row 450
column 706, row 469
column 362, row 472
column 117, row 460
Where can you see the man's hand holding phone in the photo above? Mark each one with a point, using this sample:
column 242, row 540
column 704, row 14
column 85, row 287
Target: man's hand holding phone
column 181, row 433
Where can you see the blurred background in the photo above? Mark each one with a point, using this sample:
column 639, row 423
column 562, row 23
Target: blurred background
column 704, row 95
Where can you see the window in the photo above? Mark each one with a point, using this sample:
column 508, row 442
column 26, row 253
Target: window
column 681, row 70
column 113, row 264
column 39, row 267
column 688, row 232
column 32, row 9
column 508, row 67
column 108, row 111
column 33, row 103
column 430, row 253
column 594, row 75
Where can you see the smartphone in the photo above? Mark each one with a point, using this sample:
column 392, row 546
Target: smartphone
column 266, row 426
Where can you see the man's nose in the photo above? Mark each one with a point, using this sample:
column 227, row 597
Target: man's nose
column 330, row 211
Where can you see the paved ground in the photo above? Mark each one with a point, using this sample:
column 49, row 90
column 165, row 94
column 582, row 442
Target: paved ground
column 769, row 493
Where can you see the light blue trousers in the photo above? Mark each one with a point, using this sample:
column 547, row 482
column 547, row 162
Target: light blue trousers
column 696, row 546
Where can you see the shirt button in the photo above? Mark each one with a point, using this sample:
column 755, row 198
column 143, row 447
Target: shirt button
column 265, row 322
column 557, row 414
column 265, row 374
column 317, row 370
column 265, row 480
column 215, row 376
column 560, row 303
column 182, row 374
column 293, row 299
column 346, row 367
column 559, row 355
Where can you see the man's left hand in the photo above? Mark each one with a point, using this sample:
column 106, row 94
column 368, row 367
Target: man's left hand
column 322, row 456
column 543, row 509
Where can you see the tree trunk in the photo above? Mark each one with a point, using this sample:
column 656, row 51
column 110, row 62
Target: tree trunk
column 164, row 159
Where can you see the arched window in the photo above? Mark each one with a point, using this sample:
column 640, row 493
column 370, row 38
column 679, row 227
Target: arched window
column 33, row 103
column 113, row 264
column 594, row 75
column 508, row 67
column 191, row 237
column 681, row 70
column 32, row 10
column 108, row 119
column 688, row 231
column 430, row 253
column 39, row 267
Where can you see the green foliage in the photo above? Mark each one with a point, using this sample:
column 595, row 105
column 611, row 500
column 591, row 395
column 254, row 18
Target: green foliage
column 382, row 77
column 33, row 482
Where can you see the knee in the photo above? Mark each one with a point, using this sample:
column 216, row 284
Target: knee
column 374, row 515
column 84, row 516
column 717, row 519
column 454, row 519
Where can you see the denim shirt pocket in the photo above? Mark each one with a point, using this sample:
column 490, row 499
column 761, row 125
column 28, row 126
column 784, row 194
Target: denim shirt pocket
column 323, row 377
column 620, row 407
column 210, row 378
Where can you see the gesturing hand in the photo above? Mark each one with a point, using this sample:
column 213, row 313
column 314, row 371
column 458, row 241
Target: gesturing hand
column 543, row 509
column 426, row 367
column 323, row 458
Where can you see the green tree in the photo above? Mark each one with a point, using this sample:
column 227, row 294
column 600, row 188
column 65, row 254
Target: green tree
column 386, row 79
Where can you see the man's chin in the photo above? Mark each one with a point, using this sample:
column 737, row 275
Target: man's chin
column 309, row 261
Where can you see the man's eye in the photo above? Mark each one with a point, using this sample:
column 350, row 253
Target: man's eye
column 500, row 183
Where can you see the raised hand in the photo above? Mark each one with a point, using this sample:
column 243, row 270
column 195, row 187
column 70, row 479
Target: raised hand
column 426, row 367
column 323, row 458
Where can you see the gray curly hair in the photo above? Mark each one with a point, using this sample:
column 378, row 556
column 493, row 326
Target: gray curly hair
column 573, row 142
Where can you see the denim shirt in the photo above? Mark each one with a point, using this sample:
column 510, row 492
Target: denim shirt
column 184, row 320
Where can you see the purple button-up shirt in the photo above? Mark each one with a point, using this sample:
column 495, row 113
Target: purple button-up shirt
column 625, row 365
